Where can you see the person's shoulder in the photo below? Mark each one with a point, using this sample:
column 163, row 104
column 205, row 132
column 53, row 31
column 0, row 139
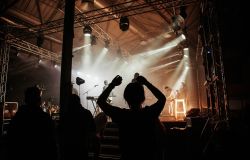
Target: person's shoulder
column 86, row 111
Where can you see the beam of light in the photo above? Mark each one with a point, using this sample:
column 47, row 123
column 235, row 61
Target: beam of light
column 86, row 54
column 155, row 41
column 81, row 47
column 122, row 67
column 153, row 52
column 167, row 46
column 169, row 70
column 177, row 72
column 162, row 66
column 181, row 79
column 100, row 58
column 171, row 56
column 186, row 56
column 150, row 57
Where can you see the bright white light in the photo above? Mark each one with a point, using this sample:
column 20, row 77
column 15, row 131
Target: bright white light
column 100, row 58
column 78, row 48
column 87, row 34
column 105, row 49
column 183, row 36
column 162, row 66
column 79, row 73
column 181, row 79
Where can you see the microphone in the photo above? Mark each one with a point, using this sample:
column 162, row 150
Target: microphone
column 95, row 85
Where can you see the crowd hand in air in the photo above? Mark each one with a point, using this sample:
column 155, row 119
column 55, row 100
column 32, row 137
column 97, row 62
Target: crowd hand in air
column 142, row 80
column 116, row 81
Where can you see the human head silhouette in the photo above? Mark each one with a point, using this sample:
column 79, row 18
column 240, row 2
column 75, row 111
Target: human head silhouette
column 136, row 75
column 33, row 96
column 134, row 95
column 106, row 82
column 75, row 99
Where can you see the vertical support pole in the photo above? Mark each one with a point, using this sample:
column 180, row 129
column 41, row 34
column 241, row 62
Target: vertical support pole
column 66, row 64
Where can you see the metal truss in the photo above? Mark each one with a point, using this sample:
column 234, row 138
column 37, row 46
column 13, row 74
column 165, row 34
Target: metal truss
column 105, row 14
column 4, row 60
column 93, row 17
column 213, row 62
column 113, row 12
column 33, row 49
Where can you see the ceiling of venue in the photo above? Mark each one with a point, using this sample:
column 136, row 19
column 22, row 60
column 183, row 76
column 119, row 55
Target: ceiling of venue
column 149, row 21
column 155, row 26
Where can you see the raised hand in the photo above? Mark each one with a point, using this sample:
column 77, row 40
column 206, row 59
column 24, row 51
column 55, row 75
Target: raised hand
column 141, row 80
column 117, row 80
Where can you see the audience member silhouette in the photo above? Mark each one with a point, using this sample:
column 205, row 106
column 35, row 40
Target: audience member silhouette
column 78, row 131
column 31, row 134
column 137, row 125
column 135, row 77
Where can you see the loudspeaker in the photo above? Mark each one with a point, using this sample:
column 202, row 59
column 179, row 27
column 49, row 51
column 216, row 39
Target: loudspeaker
column 79, row 81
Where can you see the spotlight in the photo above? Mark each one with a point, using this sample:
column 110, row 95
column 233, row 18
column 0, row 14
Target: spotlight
column 177, row 22
column 87, row 30
column 124, row 23
column 40, row 61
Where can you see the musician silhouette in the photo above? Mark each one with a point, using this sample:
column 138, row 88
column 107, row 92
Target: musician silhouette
column 170, row 100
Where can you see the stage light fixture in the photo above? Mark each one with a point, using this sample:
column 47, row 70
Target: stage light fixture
column 87, row 30
column 177, row 22
column 124, row 23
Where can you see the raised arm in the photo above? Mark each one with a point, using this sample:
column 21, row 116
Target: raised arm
column 161, row 99
column 102, row 100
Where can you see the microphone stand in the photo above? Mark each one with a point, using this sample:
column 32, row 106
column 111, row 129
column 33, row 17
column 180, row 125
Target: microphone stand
column 87, row 94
